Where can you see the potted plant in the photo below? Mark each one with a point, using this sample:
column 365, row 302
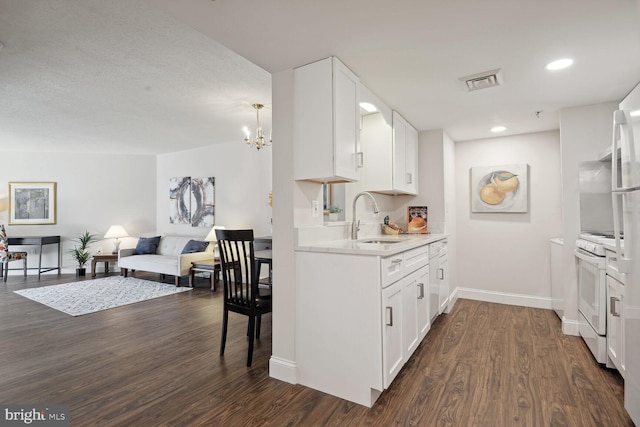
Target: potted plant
column 333, row 212
column 80, row 253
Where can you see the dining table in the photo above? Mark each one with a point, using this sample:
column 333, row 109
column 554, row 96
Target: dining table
column 264, row 257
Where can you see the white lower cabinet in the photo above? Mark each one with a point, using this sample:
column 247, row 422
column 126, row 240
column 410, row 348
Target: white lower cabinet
column 359, row 318
column 424, row 321
column 392, row 339
column 439, row 285
column 443, row 278
column 405, row 320
column 615, row 324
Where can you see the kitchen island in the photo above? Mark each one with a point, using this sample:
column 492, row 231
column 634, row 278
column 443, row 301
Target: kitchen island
column 362, row 308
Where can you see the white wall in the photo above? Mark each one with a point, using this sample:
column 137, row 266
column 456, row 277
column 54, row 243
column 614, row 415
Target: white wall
column 243, row 184
column 93, row 192
column 498, row 253
column 282, row 364
column 585, row 132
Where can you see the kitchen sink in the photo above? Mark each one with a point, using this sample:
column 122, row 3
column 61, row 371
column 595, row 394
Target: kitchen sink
column 380, row 241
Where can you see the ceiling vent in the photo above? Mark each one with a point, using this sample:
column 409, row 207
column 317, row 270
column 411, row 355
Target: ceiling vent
column 483, row 80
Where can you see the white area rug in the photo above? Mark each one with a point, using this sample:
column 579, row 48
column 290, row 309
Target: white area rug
column 89, row 296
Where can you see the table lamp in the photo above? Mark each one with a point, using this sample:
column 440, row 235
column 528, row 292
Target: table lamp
column 211, row 237
column 115, row 232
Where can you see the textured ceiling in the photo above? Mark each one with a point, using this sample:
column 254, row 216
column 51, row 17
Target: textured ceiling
column 117, row 76
column 154, row 76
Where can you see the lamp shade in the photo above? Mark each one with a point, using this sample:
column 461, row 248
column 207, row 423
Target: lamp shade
column 115, row 232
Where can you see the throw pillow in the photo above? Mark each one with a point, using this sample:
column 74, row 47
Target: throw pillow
column 193, row 246
column 147, row 245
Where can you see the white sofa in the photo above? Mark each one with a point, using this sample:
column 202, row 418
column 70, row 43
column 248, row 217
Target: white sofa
column 168, row 258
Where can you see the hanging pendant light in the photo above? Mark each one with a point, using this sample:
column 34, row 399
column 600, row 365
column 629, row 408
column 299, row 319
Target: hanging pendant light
column 259, row 141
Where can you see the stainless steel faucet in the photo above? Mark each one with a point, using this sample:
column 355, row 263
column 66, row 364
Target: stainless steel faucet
column 355, row 226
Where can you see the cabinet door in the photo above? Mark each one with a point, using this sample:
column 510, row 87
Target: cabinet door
column 326, row 122
column 411, row 161
column 615, row 319
column 410, row 332
column 392, row 348
column 443, row 279
column 400, row 126
column 434, row 288
column 376, row 143
column 424, row 322
column 346, row 121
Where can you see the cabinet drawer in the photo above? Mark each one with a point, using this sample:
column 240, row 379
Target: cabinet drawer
column 415, row 258
column 391, row 269
column 397, row 266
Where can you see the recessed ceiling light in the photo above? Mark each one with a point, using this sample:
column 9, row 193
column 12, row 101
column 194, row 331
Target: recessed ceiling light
column 498, row 129
column 559, row 64
column 368, row 107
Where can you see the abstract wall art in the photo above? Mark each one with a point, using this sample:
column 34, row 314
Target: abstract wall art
column 32, row 203
column 180, row 200
column 202, row 202
column 192, row 201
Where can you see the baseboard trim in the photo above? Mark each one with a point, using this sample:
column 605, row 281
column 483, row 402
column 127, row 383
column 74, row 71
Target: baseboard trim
column 570, row 327
column 283, row 370
column 503, row 298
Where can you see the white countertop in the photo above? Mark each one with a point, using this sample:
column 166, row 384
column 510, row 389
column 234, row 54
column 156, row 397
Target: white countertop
column 389, row 245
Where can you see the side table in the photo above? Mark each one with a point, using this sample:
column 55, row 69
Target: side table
column 212, row 266
column 106, row 258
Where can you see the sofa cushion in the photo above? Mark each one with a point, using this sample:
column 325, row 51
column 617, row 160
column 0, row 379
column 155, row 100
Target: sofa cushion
column 147, row 245
column 195, row 246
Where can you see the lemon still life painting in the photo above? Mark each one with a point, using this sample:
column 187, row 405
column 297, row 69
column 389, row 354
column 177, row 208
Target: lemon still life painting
column 500, row 188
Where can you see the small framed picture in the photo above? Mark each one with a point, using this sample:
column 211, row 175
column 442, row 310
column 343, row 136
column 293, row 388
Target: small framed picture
column 417, row 220
column 32, row 203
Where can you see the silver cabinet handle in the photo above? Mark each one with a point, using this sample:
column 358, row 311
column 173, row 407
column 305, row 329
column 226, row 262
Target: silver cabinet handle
column 441, row 273
column 409, row 178
column 421, row 286
column 613, row 310
column 396, row 261
column 390, row 316
column 360, row 159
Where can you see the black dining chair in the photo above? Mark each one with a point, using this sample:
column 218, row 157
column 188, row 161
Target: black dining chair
column 240, row 282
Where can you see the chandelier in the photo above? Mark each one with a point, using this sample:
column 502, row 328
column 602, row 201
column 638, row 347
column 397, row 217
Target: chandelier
column 259, row 141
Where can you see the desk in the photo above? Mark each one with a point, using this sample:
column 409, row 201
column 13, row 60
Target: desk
column 106, row 258
column 38, row 241
column 212, row 266
column 264, row 257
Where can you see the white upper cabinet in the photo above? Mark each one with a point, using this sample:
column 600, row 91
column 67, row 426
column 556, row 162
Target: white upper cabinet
column 405, row 156
column 390, row 147
column 326, row 122
column 376, row 141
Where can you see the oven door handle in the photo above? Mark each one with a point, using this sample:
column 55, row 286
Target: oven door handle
column 591, row 259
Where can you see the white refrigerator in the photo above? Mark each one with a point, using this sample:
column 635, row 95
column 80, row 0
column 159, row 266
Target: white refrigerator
column 626, row 198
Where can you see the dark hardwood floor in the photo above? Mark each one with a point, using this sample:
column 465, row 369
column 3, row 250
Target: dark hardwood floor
column 156, row 363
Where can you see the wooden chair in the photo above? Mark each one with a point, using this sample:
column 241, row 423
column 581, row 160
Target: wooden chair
column 6, row 257
column 240, row 282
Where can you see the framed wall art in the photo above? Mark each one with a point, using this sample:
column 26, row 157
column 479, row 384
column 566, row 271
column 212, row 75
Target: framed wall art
column 180, row 200
column 202, row 202
column 32, row 203
column 417, row 220
column 192, row 201
column 499, row 189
